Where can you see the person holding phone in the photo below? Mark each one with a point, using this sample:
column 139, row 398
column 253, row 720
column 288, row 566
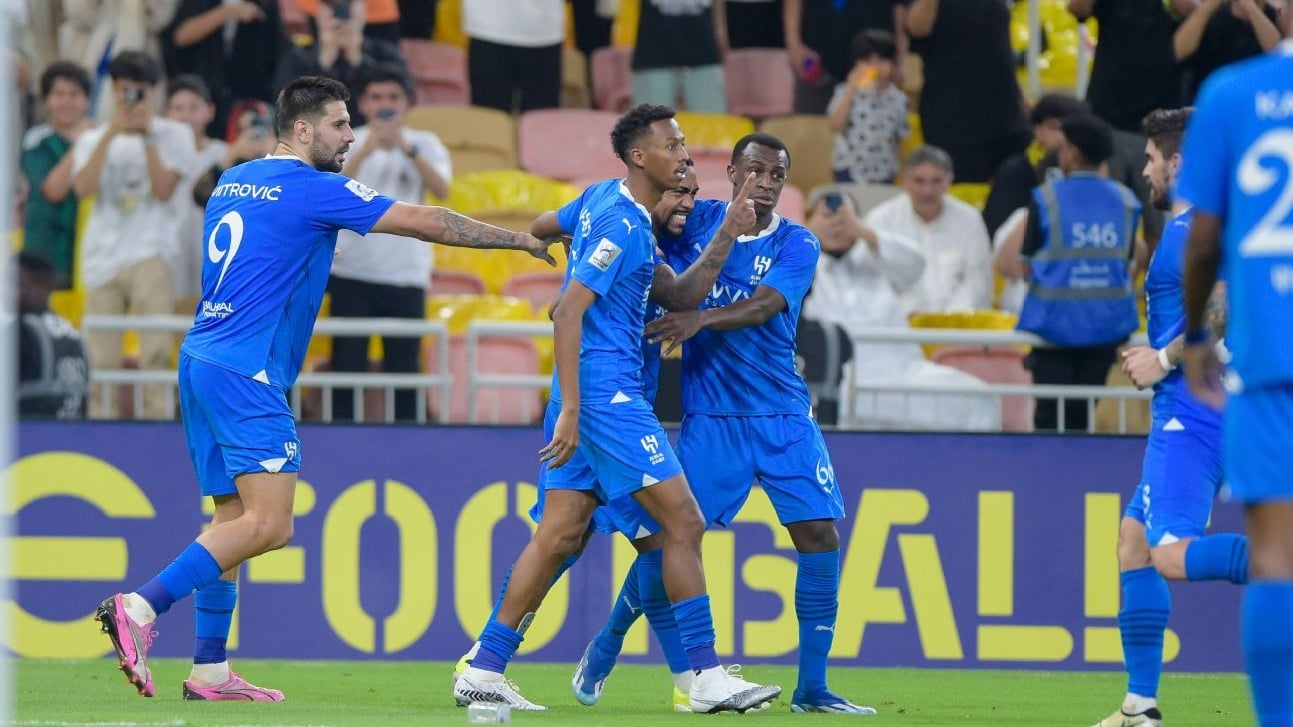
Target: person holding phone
column 385, row 276
column 869, row 113
column 131, row 166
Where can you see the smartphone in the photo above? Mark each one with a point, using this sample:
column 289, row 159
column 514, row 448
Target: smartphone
column 386, row 114
column 133, row 95
column 341, row 9
column 259, row 126
column 833, row 201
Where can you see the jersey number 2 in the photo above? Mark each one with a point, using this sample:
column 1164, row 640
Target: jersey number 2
column 1269, row 236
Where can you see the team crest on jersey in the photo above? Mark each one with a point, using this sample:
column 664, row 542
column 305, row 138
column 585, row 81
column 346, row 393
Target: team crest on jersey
column 361, row 190
column 762, row 264
column 604, row 255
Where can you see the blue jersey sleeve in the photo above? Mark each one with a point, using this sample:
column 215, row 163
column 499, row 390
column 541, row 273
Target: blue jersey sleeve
column 1204, row 179
column 612, row 247
column 338, row 202
column 568, row 216
column 791, row 273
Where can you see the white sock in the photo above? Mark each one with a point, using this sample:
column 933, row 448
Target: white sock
column 682, row 681
column 707, row 677
column 138, row 609
column 1136, row 704
column 209, row 675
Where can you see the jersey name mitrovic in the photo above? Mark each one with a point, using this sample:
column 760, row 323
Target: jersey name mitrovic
column 269, row 236
column 747, row 371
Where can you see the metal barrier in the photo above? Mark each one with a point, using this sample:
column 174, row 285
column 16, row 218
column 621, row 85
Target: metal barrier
column 324, row 380
column 476, row 380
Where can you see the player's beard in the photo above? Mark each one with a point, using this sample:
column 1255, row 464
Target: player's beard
column 324, row 159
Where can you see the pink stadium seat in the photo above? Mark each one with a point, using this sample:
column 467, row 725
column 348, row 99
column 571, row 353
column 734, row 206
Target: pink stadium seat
column 455, row 282
column 710, row 163
column 995, row 365
column 493, row 405
column 568, row 144
column 439, row 72
column 612, row 78
column 539, row 288
column 759, row 82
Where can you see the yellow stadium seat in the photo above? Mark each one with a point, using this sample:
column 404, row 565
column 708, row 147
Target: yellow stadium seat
column 713, row 131
column 448, row 23
column 478, row 139
column 68, row 303
column 991, row 320
column 804, row 135
column 971, row 193
column 509, row 189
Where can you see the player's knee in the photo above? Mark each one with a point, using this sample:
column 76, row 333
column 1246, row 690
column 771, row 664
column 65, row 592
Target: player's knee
column 1133, row 549
column 686, row 527
column 563, row 543
column 1169, row 561
column 814, row 536
column 272, row 533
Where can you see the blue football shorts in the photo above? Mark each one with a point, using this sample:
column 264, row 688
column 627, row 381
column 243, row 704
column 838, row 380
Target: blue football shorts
column 724, row 456
column 618, row 513
column 1180, row 478
column 234, row 425
column 1258, row 444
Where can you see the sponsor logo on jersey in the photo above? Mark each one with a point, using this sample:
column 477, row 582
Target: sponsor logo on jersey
column 361, row 190
column 604, row 254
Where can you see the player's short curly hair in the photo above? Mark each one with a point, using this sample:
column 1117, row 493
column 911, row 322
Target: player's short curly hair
column 1166, row 127
column 304, row 98
column 635, row 124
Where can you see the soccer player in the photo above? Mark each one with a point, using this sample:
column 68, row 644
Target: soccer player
column 604, row 417
column 747, row 411
column 1162, row 531
column 1239, row 176
column 271, row 229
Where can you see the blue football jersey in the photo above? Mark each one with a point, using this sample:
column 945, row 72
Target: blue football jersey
column 1238, row 165
column 747, row 371
column 612, row 253
column 270, row 233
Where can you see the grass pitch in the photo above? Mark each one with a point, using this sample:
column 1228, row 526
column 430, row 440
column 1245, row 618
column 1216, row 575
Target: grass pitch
column 406, row 693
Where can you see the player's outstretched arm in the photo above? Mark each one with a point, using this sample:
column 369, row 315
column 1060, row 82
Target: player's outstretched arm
column 686, row 290
column 677, row 327
column 446, row 227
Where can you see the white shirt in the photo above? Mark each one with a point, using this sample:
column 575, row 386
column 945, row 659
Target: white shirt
column 383, row 258
column 185, row 260
column 127, row 224
column 860, row 290
column 525, row 23
column 958, row 269
column 1015, row 289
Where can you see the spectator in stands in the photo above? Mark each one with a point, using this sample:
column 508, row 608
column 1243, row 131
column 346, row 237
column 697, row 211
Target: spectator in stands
column 1134, row 71
column 970, row 104
column 860, row 276
column 53, row 373
column 94, row 31
column 340, row 51
column 131, row 166
column 380, row 275
column 679, row 52
column 1209, row 39
column 949, row 232
column 232, row 46
column 189, row 102
column 1080, row 296
column 1013, row 182
column 755, row 24
column 593, row 21
column 819, row 34
column 49, row 224
column 869, row 113
column 417, row 18
column 514, row 49
column 250, row 136
column 381, row 17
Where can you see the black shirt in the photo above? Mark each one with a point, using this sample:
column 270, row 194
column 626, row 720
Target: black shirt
column 1226, row 39
column 53, row 371
column 1135, row 70
column 828, row 27
column 675, row 34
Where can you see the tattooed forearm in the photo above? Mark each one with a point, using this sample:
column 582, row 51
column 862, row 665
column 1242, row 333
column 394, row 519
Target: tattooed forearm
column 463, row 231
column 689, row 288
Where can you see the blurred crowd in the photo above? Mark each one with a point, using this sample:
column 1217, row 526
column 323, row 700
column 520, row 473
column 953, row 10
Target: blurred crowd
column 137, row 106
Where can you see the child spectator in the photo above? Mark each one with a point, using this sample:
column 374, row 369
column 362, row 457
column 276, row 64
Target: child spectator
column 869, row 113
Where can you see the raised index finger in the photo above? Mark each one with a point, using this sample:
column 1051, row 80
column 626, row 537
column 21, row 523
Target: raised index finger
column 744, row 193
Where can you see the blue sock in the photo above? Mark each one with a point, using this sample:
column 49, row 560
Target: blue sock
column 1267, row 636
column 214, row 606
column 659, row 612
column 193, row 569
column 817, row 601
column 1146, row 604
column 696, row 627
column 507, row 578
column 1223, row 556
column 498, row 644
column 628, row 605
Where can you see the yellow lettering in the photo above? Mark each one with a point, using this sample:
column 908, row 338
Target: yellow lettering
column 929, row 597
column 89, row 479
column 550, row 618
column 473, row 589
column 773, row 574
column 341, row 605
column 718, row 551
column 416, row 607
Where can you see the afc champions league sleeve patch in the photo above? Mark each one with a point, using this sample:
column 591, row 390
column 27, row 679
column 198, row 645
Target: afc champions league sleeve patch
column 361, row 190
column 604, row 255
